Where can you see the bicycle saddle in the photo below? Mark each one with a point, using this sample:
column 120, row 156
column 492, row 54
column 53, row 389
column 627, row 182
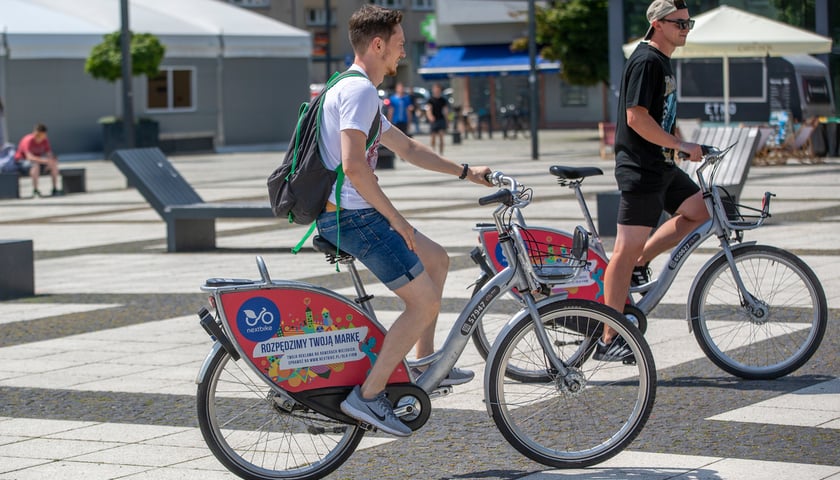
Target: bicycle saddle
column 326, row 247
column 572, row 173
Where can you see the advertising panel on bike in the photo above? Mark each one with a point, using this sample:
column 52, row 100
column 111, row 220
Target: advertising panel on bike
column 589, row 282
column 302, row 339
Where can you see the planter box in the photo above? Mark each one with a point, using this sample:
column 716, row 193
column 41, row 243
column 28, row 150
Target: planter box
column 113, row 135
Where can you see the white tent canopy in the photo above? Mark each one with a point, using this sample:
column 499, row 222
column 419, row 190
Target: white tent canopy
column 726, row 32
column 194, row 28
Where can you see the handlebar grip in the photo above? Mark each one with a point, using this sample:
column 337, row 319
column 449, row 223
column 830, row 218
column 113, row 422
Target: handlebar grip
column 501, row 196
column 765, row 204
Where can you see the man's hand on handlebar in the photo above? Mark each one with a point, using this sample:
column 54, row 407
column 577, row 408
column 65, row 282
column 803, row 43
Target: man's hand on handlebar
column 690, row 151
column 480, row 175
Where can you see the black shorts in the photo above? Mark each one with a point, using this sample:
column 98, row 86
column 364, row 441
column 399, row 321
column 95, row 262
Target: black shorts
column 439, row 125
column 645, row 208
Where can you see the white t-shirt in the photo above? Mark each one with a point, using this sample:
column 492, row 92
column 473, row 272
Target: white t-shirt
column 350, row 105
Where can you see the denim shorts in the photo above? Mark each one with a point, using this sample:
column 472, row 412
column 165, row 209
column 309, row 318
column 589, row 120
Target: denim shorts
column 368, row 236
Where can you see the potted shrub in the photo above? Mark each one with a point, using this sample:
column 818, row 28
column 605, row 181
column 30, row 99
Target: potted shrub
column 105, row 63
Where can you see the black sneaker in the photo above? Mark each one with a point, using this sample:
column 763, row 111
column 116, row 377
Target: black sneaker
column 56, row 192
column 641, row 275
column 36, row 193
column 616, row 351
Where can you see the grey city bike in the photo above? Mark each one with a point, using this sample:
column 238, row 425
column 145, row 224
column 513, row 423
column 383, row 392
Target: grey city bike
column 757, row 311
column 269, row 390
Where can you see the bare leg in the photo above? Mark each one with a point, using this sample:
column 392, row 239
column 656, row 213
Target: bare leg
column 436, row 264
column 422, row 303
column 629, row 244
column 52, row 166
column 34, row 173
column 691, row 214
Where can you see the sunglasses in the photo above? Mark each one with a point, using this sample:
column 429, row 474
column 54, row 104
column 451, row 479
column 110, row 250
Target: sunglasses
column 681, row 24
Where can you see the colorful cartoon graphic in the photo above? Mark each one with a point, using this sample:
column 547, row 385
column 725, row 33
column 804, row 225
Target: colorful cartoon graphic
column 336, row 347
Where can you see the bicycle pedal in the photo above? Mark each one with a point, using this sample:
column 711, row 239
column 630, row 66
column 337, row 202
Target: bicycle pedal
column 441, row 392
column 367, row 427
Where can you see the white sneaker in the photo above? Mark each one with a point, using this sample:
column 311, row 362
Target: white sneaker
column 456, row 376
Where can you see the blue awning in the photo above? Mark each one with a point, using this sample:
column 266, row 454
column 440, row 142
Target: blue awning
column 478, row 60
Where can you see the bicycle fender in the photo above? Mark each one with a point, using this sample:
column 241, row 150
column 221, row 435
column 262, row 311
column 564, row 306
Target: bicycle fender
column 700, row 272
column 205, row 366
column 505, row 330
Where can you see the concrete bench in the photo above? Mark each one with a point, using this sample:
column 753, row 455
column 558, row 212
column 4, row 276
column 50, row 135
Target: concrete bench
column 17, row 269
column 72, row 181
column 190, row 221
column 731, row 174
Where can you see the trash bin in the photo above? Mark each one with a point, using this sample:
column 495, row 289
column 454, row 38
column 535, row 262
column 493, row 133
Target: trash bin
column 608, row 213
column 386, row 159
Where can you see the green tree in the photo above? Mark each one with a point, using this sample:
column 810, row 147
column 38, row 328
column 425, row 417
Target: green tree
column 105, row 59
column 799, row 13
column 574, row 32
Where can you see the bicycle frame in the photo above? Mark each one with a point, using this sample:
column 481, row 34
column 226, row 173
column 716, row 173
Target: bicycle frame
column 339, row 348
column 592, row 288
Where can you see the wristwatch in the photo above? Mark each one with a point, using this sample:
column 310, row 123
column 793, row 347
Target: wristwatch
column 464, row 171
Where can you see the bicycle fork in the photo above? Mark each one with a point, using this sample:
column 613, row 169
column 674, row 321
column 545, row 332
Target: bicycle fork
column 754, row 307
column 554, row 362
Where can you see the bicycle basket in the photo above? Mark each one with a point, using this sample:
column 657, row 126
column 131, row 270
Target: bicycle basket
column 553, row 263
column 738, row 217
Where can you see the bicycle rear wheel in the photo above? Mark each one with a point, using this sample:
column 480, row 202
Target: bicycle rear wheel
column 776, row 339
column 590, row 415
column 260, row 435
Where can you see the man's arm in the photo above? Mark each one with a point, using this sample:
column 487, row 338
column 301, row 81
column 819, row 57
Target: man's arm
column 639, row 119
column 421, row 155
column 356, row 169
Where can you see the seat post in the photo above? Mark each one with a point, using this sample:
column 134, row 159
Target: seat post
column 362, row 297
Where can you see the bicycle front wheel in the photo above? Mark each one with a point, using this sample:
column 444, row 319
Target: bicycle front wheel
column 260, row 435
column 584, row 417
column 776, row 338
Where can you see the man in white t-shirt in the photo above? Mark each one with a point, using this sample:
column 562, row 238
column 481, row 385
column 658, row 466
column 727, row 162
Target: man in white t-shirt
column 371, row 228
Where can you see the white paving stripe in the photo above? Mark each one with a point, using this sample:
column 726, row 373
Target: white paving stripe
column 38, row 449
column 17, row 312
column 814, row 406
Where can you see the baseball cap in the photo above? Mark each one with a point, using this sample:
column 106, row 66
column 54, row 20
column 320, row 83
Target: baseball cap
column 660, row 9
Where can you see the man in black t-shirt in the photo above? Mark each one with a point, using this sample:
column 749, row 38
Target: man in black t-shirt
column 436, row 110
column 645, row 170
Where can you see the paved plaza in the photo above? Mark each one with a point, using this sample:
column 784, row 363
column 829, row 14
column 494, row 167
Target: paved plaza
column 97, row 370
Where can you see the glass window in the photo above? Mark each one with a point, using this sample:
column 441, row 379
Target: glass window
column 251, row 3
column 574, row 95
column 702, row 80
column 423, row 5
column 172, row 89
column 388, row 3
column 317, row 17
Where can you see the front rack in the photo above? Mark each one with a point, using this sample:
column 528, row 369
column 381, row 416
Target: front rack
column 739, row 217
column 551, row 263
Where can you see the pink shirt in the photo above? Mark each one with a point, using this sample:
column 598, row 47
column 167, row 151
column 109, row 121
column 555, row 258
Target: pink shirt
column 28, row 144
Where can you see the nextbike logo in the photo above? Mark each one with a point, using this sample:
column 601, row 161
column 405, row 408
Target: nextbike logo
column 258, row 319
column 477, row 311
column 678, row 255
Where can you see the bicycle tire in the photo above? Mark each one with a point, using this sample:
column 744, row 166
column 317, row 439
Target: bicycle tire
column 554, row 425
column 488, row 328
column 746, row 345
column 255, row 438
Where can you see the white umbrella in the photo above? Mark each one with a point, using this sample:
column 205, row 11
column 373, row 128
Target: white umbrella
column 729, row 32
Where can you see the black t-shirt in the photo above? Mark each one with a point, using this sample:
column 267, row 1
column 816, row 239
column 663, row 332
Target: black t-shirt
column 648, row 81
column 438, row 104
